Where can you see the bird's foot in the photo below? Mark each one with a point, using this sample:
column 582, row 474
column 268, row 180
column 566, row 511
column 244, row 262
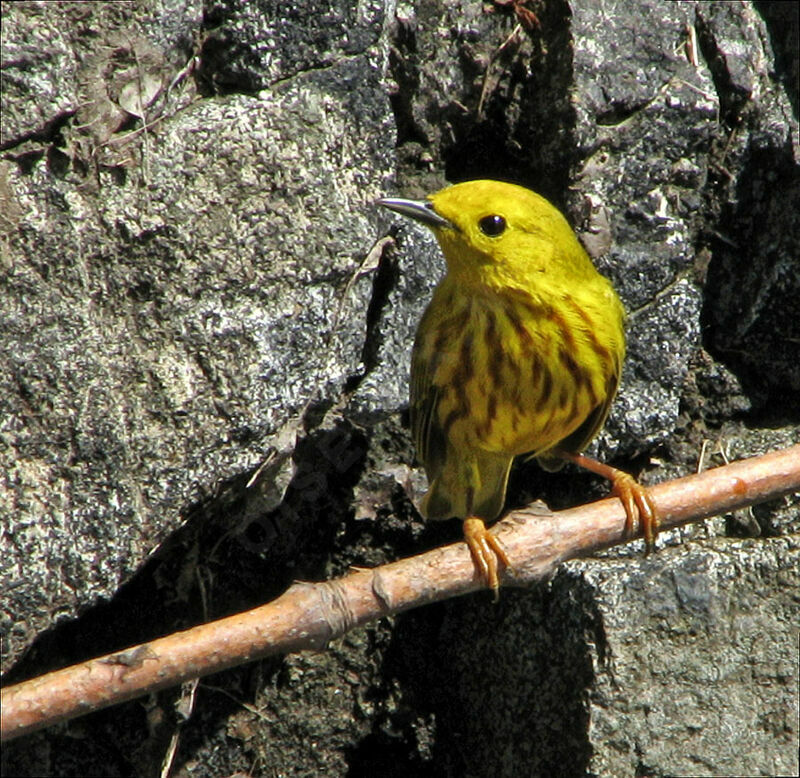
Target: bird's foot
column 636, row 499
column 638, row 504
column 486, row 550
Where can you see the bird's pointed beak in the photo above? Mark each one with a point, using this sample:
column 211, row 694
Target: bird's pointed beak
column 419, row 210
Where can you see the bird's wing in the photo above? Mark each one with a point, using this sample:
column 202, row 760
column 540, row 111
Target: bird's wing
column 578, row 439
column 461, row 482
column 428, row 435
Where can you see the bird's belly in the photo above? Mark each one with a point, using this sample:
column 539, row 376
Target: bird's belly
column 520, row 384
column 522, row 401
column 524, row 419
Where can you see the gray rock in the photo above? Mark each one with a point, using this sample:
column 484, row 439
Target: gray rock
column 163, row 321
column 204, row 345
column 708, row 638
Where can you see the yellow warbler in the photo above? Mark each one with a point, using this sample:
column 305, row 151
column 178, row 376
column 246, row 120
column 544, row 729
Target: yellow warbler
column 519, row 352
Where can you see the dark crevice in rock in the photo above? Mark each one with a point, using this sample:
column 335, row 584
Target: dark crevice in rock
column 50, row 132
column 405, row 71
column 752, row 290
column 502, row 121
column 214, row 77
column 250, row 47
column 384, row 281
column 749, row 284
column 783, row 24
column 733, row 96
column 620, row 113
column 27, row 160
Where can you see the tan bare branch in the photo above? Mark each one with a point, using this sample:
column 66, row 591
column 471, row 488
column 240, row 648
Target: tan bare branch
column 307, row 616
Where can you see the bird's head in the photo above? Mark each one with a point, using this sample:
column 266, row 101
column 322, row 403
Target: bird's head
column 496, row 234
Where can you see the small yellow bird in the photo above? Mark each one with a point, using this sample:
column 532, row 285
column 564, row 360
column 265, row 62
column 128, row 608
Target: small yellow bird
column 519, row 352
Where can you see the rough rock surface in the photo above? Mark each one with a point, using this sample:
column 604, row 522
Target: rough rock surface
column 204, row 341
column 158, row 329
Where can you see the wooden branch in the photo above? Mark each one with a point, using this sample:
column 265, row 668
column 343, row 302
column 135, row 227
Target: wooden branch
column 307, row 616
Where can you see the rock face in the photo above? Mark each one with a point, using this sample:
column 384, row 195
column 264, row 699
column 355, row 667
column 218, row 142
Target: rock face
column 166, row 315
column 205, row 330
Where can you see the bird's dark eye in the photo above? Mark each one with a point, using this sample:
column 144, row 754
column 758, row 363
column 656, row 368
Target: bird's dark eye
column 493, row 225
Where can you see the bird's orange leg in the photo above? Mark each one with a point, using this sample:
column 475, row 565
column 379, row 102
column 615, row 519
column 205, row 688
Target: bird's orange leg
column 635, row 497
column 485, row 550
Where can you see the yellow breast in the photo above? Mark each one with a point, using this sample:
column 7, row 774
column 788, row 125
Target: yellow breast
column 515, row 376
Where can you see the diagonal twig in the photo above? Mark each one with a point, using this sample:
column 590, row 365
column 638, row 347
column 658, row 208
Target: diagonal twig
column 307, row 616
